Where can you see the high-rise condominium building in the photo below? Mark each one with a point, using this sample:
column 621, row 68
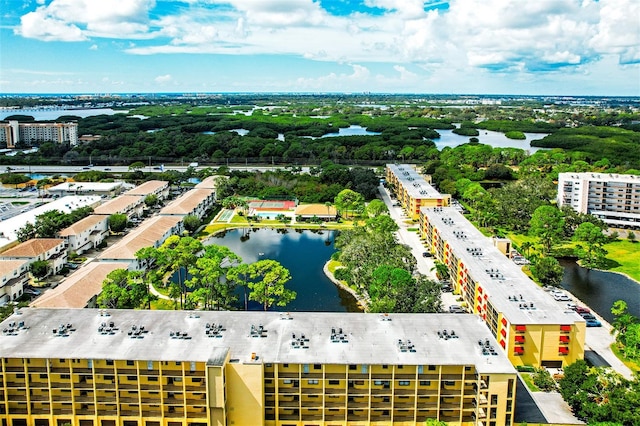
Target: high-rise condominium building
column 87, row 367
column 13, row 132
column 613, row 198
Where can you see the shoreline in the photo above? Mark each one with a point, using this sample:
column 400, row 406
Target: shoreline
column 361, row 301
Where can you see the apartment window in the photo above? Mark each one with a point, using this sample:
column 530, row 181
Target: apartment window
column 149, row 365
column 312, row 382
column 494, row 399
column 431, row 368
column 425, row 382
column 285, row 365
column 353, row 367
column 400, row 367
column 317, row 366
column 334, row 382
column 404, row 383
column 129, row 362
column 109, row 362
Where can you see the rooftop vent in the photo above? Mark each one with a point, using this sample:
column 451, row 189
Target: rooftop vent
column 338, row 336
column 486, row 347
column 258, row 331
column 385, row 317
column 299, row 341
column 286, row 316
column 107, row 328
column 213, row 330
column 13, row 328
column 406, row 346
column 64, row 330
column 182, row 335
column 446, row 335
column 137, row 332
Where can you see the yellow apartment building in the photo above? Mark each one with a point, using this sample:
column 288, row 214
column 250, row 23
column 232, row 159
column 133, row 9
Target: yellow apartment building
column 414, row 190
column 87, row 367
column 529, row 325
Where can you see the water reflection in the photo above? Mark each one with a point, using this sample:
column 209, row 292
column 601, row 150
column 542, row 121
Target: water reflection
column 304, row 253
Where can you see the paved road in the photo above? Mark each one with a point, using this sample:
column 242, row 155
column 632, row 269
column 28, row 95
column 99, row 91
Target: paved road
column 67, row 170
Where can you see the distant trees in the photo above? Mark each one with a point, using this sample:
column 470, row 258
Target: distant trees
column 49, row 223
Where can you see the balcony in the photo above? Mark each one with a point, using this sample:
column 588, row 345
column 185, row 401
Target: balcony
column 289, row 404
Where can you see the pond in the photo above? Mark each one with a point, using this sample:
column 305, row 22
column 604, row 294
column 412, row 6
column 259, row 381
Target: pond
column 599, row 289
column 303, row 253
column 53, row 114
column 488, row 137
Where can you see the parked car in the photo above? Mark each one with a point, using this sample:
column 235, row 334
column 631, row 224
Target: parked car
column 582, row 310
column 457, row 309
column 561, row 297
column 593, row 323
column 426, row 254
column 588, row 317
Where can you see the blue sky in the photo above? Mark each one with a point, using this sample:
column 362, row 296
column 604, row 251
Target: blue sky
column 555, row 47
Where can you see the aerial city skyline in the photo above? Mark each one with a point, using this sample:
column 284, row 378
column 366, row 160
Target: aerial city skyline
column 568, row 47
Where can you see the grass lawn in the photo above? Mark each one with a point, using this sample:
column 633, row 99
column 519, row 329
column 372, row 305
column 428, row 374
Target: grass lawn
column 528, row 380
column 626, row 255
column 633, row 366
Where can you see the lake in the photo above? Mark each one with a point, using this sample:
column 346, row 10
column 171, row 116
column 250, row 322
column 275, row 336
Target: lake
column 488, row 137
column 303, row 253
column 599, row 289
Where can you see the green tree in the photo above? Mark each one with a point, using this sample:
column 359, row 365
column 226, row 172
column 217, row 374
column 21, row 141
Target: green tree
column 124, row 289
column 240, row 275
column 376, row 208
column 543, row 380
column 118, row 222
column 39, row 268
column 631, row 236
column 383, row 223
column 151, row 200
column 27, row 232
column 136, row 166
column 348, row 200
column 547, row 223
column 547, row 271
column 210, row 273
column 269, row 289
column 591, row 253
column 191, row 223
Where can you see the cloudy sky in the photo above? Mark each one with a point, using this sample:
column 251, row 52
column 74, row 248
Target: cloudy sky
column 556, row 47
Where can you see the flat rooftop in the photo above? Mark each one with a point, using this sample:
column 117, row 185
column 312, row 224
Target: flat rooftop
column 497, row 274
column 86, row 186
column 66, row 204
column 600, row 177
column 413, row 182
column 357, row 338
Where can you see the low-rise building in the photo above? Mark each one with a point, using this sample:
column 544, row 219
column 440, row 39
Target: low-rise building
column 614, row 198
column 9, row 227
column 52, row 250
column 94, row 367
column 151, row 233
column 131, row 205
column 194, row 202
column 159, row 188
column 320, row 211
column 14, row 275
column 414, row 190
column 86, row 234
column 101, row 189
column 531, row 327
column 80, row 289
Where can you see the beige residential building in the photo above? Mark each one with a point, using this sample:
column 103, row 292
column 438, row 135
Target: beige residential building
column 53, row 250
column 194, row 202
column 14, row 275
column 614, row 198
column 81, row 288
column 158, row 188
column 131, row 205
column 151, row 233
column 86, row 234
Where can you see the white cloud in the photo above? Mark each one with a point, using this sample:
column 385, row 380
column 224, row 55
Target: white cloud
column 337, row 82
column 161, row 79
column 93, row 47
column 77, row 20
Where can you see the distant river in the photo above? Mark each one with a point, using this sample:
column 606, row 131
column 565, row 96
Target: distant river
column 304, row 254
column 52, row 114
